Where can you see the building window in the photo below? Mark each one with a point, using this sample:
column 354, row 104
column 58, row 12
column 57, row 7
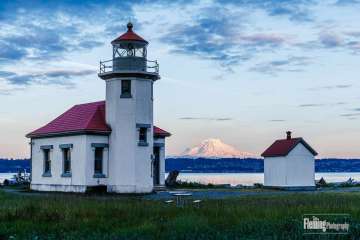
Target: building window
column 125, row 89
column 47, row 162
column 143, row 135
column 143, row 131
column 98, row 167
column 66, row 161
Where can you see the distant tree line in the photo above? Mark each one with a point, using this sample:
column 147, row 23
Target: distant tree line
column 248, row 165
column 14, row 165
column 252, row 165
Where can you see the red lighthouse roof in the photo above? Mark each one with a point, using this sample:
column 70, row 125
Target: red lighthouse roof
column 130, row 35
column 88, row 118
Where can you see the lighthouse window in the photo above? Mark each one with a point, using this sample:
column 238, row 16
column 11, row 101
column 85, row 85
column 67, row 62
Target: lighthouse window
column 125, row 89
column 143, row 136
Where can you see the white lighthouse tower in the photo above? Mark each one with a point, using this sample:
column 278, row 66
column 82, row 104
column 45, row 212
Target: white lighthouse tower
column 129, row 79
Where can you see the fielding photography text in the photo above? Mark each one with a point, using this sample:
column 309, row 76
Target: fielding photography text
column 326, row 223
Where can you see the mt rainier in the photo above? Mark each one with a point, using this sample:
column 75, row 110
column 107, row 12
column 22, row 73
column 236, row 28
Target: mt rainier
column 215, row 148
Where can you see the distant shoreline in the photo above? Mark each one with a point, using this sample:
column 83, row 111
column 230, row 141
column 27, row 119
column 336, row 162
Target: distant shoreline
column 251, row 165
column 222, row 165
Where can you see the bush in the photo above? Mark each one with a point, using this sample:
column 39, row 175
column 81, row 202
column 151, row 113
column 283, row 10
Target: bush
column 6, row 182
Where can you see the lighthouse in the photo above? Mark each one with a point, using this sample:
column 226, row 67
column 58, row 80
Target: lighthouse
column 111, row 144
column 129, row 77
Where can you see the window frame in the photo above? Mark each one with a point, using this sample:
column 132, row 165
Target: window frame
column 143, row 134
column 96, row 160
column 127, row 93
column 47, row 162
column 66, row 154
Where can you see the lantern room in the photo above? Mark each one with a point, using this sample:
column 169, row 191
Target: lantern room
column 129, row 56
column 129, row 51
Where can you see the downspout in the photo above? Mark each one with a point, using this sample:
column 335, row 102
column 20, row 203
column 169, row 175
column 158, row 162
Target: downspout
column 108, row 160
column 31, row 150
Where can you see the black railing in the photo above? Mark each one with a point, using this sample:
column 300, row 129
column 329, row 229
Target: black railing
column 108, row 66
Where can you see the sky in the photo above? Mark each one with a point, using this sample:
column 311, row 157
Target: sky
column 243, row 71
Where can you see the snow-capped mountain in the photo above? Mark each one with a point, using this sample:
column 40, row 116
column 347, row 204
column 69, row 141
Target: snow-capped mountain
column 215, row 148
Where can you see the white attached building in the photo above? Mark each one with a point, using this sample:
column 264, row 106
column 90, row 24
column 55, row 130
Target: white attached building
column 289, row 163
column 112, row 143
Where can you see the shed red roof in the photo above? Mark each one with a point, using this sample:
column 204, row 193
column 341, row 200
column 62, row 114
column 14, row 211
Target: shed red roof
column 83, row 118
column 158, row 132
column 130, row 35
column 283, row 147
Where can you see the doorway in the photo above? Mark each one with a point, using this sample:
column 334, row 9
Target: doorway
column 156, row 166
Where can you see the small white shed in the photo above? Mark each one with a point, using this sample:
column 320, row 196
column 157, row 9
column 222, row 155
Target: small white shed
column 289, row 163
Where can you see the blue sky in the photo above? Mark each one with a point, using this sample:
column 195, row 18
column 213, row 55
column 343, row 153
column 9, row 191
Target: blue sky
column 242, row 71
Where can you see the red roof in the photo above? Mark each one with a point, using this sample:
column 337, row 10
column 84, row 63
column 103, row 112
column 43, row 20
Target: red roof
column 283, row 147
column 158, row 132
column 83, row 118
column 129, row 36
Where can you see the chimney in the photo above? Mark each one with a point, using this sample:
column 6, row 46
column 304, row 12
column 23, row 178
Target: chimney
column 288, row 135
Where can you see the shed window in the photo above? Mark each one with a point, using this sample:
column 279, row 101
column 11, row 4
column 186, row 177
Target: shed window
column 66, row 160
column 47, row 161
column 125, row 89
column 98, row 167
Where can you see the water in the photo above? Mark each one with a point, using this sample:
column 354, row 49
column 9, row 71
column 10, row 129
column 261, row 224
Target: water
column 238, row 178
column 251, row 178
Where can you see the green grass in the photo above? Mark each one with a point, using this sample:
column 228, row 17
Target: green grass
column 72, row 216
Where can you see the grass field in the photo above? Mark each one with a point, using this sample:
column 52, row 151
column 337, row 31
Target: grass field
column 71, row 216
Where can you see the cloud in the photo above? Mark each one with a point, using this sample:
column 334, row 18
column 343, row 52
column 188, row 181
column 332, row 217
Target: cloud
column 353, row 115
column 350, row 114
column 331, row 87
column 347, row 2
column 10, row 51
column 355, row 34
column 331, row 40
column 321, row 104
column 54, row 77
column 205, row 118
column 263, row 39
column 349, row 40
column 277, row 120
column 209, row 36
column 338, row 103
column 295, row 10
column 221, row 37
column 6, row 73
column 290, row 64
column 311, row 105
column 223, row 31
column 49, row 40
